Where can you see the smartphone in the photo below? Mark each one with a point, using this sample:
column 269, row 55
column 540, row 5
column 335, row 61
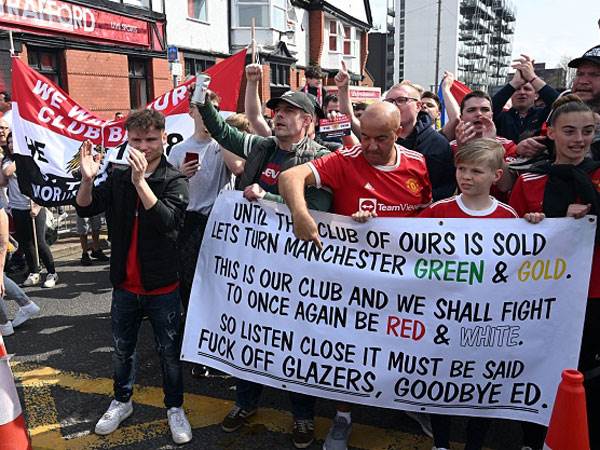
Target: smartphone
column 191, row 157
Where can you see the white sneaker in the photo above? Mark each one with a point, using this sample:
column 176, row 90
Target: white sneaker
column 179, row 425
column 32, row 279
column 6, row 329
column 51, row 280
column 25, row 313
column 116, row 413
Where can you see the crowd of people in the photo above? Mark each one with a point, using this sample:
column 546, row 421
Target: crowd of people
column 528, row 151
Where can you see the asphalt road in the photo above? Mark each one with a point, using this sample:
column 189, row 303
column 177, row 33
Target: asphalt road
column 63, row 367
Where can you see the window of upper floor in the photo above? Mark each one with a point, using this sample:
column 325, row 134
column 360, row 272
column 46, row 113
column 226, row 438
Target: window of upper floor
column 197, row 10
column 343, row 39
column 274, row 14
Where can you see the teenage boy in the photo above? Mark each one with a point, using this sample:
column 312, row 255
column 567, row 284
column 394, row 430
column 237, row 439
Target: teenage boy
column 478, row 167
column 476, row 122
column 145, row 205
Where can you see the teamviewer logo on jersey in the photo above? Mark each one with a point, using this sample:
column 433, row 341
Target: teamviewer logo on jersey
column 367, row 204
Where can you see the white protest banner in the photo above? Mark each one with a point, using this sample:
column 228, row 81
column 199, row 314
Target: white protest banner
column 49, row 128
column 468, row 317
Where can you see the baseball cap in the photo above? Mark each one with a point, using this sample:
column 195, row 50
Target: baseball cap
column 297, row 99
column 592, row 55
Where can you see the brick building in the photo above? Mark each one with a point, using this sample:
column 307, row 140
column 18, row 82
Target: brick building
column 293, row 34
column 109, row 55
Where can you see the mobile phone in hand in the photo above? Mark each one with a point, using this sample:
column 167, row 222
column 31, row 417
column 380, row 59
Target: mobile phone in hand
column 191, row 157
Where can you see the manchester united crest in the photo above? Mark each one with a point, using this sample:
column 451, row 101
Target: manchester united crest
column 413, row 186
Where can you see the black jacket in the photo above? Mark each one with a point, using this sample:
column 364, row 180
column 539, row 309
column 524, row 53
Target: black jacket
column 510, row 124
column 158, row 227
column 438, row 155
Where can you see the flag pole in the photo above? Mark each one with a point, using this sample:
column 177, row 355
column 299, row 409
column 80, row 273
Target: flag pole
column 12, row 43
column 35, row 242
column 253, row 34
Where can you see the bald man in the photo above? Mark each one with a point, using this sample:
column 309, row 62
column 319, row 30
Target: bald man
column 375, row 178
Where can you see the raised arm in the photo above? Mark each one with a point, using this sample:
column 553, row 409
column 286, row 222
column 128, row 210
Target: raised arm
column 228, row 137
column 342, row 80
column 252, row 103
column 452, row 106
column 503, row 95
column 89, row 169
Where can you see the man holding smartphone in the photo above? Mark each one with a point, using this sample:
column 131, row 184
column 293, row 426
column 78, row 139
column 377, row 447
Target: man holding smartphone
column 208, row 169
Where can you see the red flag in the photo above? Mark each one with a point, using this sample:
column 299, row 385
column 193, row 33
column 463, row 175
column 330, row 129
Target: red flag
column 459, row 90
column 226, row 79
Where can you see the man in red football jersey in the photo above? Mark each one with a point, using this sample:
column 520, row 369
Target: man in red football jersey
column 376, row 178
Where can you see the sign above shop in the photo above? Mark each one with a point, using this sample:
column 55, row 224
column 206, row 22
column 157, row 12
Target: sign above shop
column 53, row 17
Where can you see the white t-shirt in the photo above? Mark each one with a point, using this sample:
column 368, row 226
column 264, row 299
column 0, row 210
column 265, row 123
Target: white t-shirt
column 212, row 176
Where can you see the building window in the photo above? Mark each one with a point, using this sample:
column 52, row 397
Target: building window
column 46, row 62
column 280, row 75
column 140, row 3
column 197, row 65
column 268, row 13
column 197, row 10
column 139, row 89
column 348, row 41
column 259, row 9
column 278, row 11
column 333, row 36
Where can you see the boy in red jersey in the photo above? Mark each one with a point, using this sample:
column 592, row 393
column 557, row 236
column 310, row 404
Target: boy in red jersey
column 478, row 166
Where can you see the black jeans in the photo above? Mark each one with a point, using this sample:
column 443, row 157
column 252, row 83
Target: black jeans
column 164, row 313
column 24, row 235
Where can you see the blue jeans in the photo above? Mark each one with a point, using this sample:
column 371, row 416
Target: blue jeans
column 248, row 394
column 164, row 313
column 13, row 292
